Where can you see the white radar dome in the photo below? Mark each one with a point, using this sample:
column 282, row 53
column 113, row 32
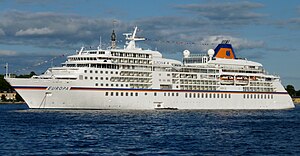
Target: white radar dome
column 210, row 52
column 186, row 53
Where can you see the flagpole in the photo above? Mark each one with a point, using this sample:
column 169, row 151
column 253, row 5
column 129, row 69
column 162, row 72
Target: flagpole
column 6, row 70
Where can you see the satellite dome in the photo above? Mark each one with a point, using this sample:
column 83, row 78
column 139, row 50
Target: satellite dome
column 210, row 52
column 186, row 53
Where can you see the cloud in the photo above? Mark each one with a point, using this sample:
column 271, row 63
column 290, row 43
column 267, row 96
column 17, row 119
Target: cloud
column 34, row 31
column 2, row 33
column 280, row 49
column 8, row 53
column 67, row 31
column 33, row 1
column 292, row 23
column 226, row 13
column 238, row 43
column 48, row 29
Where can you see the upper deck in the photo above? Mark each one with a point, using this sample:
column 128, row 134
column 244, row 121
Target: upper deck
column 139, row 68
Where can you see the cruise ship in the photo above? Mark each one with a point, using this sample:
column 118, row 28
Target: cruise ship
column 134, row 78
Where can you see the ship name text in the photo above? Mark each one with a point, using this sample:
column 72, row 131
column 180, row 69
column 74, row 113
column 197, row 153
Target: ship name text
column 58, row 88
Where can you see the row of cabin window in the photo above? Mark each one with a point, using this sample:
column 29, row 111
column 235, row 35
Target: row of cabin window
column 121, row 94
column 96, row 78
column 130, row 55
column 136, row 94
column 106, row 66
column 257, row 96
column 101, row 72
column 171, row 94
column 82, row 58
column 109, row 66
column 206, row 95
column 242, row 71
column 112, row 85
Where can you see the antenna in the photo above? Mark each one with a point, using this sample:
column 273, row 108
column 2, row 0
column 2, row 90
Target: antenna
column 134, row 32
column 100, row 43
column 114, row 22
column 131, row 38
column 81, row 50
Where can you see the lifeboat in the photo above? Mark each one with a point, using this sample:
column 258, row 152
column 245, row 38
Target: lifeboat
column 227, row 79
column 242, row 80
column 253, row 78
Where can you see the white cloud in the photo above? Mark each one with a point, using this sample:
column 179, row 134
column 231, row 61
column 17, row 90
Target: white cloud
column 49, row 29
column 226, row 13
column 8, row 53
column 237, row 43
column 2, row 33
column 34, row 31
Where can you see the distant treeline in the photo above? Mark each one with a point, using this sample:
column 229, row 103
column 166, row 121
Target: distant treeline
column 4, row 86
column 292, row 91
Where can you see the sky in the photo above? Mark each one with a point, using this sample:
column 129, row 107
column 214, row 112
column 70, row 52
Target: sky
column 35, row 34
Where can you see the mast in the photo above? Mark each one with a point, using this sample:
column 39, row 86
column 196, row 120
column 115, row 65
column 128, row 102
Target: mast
column 131, row 37
column 113, row 40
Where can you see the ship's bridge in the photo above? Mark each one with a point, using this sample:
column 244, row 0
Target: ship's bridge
column 197, row 59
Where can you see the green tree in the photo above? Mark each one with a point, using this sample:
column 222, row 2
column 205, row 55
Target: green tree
column 19, row 98
column 4, row 86
column 291, row 90
column 298, row 93
column 32, row 73
column 26, row 75
column 3, row 97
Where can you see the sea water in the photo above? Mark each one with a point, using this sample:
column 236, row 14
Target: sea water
column 26, row 131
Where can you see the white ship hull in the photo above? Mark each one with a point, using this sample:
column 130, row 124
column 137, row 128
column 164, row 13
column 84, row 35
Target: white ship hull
column 66, row 95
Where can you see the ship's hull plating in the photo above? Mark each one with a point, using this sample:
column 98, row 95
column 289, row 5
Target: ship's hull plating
column 67, row 95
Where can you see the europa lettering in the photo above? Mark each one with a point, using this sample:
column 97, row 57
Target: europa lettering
column 58, row 88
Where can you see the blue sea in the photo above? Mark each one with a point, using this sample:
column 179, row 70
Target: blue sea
column 26, row 131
